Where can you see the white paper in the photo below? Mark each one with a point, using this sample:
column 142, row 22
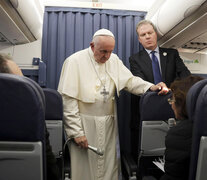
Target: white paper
column 159, row 164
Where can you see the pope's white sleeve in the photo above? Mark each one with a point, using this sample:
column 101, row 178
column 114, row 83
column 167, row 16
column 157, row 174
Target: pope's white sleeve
column 130, row 83
column 72, row 120
column 137, row 86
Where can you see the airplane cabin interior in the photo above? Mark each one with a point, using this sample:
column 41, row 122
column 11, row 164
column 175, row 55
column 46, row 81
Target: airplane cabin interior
column 40, row 34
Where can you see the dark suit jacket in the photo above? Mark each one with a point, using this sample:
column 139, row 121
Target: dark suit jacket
column 172, row 65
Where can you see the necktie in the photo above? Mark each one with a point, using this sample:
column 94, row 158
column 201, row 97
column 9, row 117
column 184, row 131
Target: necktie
column 156, row 68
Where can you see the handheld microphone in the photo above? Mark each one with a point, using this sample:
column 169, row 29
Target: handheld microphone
column 171, row 122
column 98, row 151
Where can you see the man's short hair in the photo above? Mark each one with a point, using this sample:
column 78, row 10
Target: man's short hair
column 142, row 22
column 4, row 68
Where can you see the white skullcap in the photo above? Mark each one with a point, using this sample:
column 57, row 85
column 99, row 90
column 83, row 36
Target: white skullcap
column 103, row 32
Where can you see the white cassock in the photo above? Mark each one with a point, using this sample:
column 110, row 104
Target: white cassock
column 87, row 111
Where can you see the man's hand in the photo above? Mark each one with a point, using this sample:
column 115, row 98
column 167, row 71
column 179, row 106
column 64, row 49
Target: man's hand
column 81, row 141
column 161, row 87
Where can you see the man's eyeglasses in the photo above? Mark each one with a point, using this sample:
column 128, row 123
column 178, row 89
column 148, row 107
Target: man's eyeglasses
column 171, row 100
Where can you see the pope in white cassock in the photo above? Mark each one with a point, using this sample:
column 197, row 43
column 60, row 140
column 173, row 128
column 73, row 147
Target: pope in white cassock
column 88, row 82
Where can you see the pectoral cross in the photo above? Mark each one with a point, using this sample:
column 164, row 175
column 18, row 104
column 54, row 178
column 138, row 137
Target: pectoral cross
column 104, row 93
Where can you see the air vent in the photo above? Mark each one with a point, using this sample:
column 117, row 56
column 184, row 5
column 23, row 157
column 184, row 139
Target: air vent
column 3, row 39
column 195, row 45
column 199, row 43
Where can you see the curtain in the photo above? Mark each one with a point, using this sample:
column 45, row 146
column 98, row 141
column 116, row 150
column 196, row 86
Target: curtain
column 68, row 30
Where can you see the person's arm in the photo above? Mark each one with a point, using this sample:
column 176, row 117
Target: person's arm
column 135, row 68
column 72, row 121
column 137, row 85
column 181, row 69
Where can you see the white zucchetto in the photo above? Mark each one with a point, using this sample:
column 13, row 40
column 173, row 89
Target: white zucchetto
column 103, row 32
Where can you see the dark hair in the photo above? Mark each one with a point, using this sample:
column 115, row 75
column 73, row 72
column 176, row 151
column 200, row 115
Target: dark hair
column 180, row 89
column 4, row 68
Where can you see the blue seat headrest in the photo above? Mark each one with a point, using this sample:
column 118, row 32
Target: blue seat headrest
column 155, row 107
column 54, row 104
column 199, row 95
column 22, row 109
column 192, row 96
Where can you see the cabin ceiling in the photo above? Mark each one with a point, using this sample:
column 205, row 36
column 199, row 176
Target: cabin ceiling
column 13, row 30
column 190, row 35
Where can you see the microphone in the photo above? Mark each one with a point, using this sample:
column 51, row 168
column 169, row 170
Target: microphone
column 98, row 151
column 171, row 122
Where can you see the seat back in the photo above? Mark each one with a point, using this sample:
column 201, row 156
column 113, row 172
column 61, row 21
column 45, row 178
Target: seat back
column 22, row 130
column 192, row 97
column 201, row 172
column 154, row 114
column 197, row 111
column 54, row 119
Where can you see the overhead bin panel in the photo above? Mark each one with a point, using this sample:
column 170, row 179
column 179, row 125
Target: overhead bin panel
column 20, row 21
column 182, row 25
column 171, row 13
column 12, row 26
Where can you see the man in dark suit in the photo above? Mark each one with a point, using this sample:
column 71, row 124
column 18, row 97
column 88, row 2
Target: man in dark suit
column 170, row 64
column 170, row 67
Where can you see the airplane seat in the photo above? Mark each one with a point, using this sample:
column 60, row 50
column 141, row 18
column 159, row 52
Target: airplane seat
column 154, row 114
column 196, row 103
column 192, row 97
column 54, row 123
column 54, row 119
column 22, row 129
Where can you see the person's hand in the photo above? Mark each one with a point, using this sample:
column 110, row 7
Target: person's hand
column 161, row 87
column 81, row 141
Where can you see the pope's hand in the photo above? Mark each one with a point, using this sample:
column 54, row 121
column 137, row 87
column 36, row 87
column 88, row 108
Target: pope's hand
column 81, row 141
column 161, row 87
